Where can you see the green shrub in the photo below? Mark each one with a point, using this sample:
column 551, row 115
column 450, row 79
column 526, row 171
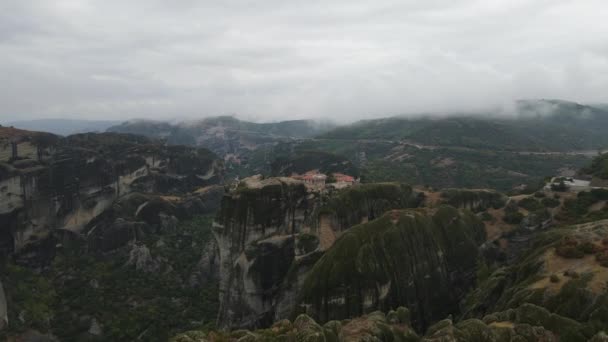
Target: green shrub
column 569, row 252
column 600, row 194
column 529, row 204
column 485, row 216
column 548, row 202
column 513, row 217
column 586, row 247
column 602, row 258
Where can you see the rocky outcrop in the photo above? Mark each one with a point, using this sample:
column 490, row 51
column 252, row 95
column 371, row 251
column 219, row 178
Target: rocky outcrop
column 255, row 231
column 373, row 327
column 142, row 260
column 569, row 282
column 270, row 232
column 366, row 202
column 424, row 259
column 136, row 215
column 300, row 162
column 72, row 180
column 207, row 270
column 526, row 323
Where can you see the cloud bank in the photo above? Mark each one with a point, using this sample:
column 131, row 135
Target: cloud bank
column 272, row 60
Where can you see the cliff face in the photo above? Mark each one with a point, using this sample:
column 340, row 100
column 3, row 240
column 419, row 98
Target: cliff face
column 270, row 232
column 102, row 232
column 474, row 200
column 420, row 258
column 256, row 230
column 3, row 309
column 69, row 181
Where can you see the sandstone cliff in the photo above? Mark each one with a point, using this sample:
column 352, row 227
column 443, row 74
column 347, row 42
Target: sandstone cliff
column 69, row 181
column 270, row 232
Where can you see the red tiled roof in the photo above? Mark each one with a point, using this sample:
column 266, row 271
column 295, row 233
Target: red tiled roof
column 340, row 177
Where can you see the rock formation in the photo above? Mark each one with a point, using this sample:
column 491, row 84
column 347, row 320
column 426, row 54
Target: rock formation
column 421, row 258
column 526, row 323
column 376, row 326
column 63, row 183
column 563, row 270
column 270, row 232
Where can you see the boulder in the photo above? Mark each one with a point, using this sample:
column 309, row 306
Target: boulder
column 140, row 257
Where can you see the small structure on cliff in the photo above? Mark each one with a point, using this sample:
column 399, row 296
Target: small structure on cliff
column 342, row 181
column 313, row 179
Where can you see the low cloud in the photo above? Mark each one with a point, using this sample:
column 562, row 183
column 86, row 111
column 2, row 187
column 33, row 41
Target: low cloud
column 272, row 60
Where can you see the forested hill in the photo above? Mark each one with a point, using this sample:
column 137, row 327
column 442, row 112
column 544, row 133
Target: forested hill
column 534, row 125
column 191, row 130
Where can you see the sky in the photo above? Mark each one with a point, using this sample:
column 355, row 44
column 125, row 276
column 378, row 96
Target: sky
column 271, row 60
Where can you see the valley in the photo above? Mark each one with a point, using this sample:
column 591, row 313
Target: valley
column 463, row 228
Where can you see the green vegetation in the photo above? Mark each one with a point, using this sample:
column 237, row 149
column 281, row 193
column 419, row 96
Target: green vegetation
column 127, row 303
column 512, row 214
column 30, row 293
column 258, row 206
column 302, row 161
column 513, row 217
column 475, row 200
column 577, row 210
column 368, row 201
column 376, row 326
column 598, row 167
column 570, row 126
column 486, row 217
column 572, row 248
column 548, row 202
column 575, row 310
column 446, row 167
column 372, row 254
column 530, row 204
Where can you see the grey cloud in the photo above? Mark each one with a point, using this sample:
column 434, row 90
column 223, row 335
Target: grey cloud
column 272, row 59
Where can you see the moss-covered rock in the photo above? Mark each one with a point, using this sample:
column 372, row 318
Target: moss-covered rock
column 260, row 212
column 366, row 202
column 419, row 258
column 372, row 327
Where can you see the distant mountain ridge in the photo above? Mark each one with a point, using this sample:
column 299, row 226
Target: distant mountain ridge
column 535, row 125
column 289, row 128
column 64, row 126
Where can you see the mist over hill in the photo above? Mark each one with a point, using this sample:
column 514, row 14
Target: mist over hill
column 63, row 126
column 533, row 125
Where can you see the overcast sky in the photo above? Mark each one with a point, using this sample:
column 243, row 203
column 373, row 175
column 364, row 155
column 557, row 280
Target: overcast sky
column 285, row 59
